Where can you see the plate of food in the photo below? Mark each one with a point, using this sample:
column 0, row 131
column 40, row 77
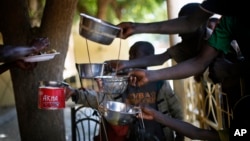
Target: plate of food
column 40, row 57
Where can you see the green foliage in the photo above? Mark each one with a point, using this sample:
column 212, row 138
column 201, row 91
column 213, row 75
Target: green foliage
column 85, row 6
column 129, row 10
column 144, row 11
column 125, row 10
column 90, row 6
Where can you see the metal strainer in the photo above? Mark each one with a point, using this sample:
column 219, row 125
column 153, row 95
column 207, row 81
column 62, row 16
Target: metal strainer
column 114, row 84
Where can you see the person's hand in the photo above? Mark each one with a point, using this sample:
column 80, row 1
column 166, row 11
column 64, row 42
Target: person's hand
column 138, row 77
column 127, row 29
column 25, row 65
column 39, row 44
column 113, row 65
column 99, row 84
column 147, row 113
column 10, row 53
column 69, row 92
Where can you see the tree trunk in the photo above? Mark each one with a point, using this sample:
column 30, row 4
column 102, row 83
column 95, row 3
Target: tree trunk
column 36, row 124
column 102, row 8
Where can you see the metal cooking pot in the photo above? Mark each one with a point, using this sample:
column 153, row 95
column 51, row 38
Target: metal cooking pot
column 117, row 113
column 90, row 70
column 97, row 30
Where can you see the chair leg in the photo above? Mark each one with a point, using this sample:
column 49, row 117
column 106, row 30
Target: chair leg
column 73, row 126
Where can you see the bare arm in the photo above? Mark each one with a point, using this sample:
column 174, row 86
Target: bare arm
column 178, row 52
column 180, row 126
column 188, row 68
column 182, row 24
column 10, row 53
column 187, row 129
column 151, row 60
column 85, row 97
column 181, row 70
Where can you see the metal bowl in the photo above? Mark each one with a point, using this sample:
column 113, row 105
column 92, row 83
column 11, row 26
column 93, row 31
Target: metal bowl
column 117, row 113
column 90, row 70
column 97, row 30
column 114, row 84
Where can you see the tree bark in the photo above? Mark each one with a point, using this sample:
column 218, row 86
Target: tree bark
column 102, row 8
column 36, row 124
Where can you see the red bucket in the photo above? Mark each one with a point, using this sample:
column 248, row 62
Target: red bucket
column 51, row 97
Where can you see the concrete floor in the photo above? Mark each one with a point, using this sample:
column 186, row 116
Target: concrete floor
column 8, row 124
column 9, row 130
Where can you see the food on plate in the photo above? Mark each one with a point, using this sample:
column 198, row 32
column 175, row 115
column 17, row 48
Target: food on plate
column 48, row 51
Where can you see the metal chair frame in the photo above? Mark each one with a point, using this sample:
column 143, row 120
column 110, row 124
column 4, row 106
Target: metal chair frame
column 84, row 126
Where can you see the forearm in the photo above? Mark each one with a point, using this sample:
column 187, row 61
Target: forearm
column 186, row 129
column 178, row 126
column 182, row 70
column 11, row 53
column 152, row 60
column 88, row 98
column 172, row 26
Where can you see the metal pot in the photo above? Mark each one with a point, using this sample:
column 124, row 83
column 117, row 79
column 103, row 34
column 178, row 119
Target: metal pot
column 90, row 70
column 97, row 30
column 117, row 113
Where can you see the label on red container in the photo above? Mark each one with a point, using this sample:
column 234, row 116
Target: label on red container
column 51, row 98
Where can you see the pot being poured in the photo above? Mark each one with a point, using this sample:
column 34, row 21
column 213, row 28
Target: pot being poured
column 97, row 30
